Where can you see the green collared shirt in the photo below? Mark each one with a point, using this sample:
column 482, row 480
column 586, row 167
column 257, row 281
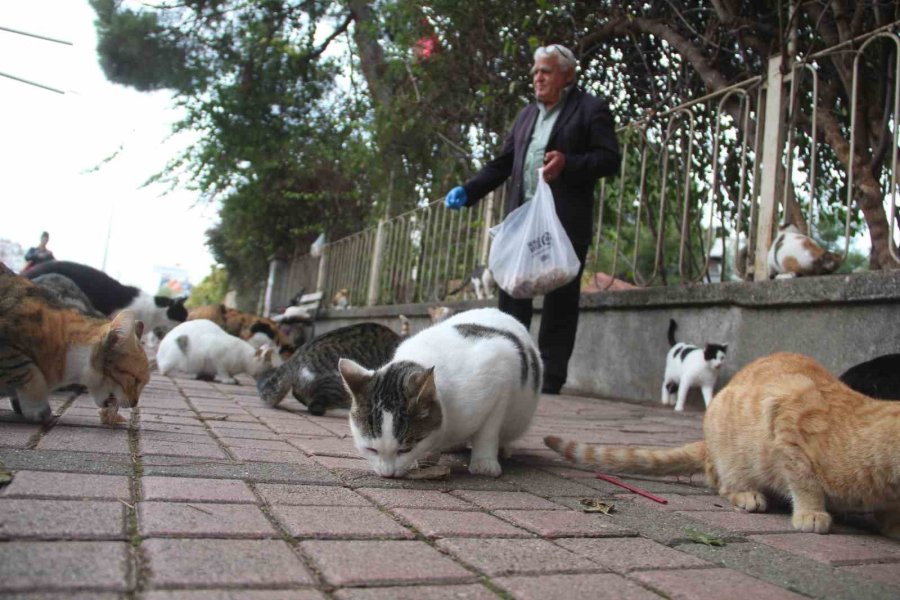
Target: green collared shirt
column 534, row 156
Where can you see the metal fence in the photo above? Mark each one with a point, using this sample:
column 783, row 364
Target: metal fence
column 701, row 189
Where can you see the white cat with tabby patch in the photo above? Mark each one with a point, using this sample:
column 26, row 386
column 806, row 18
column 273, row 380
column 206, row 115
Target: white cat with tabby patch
column 201, row 347
column 690, row 366
column 793, row 254
column 472, row 379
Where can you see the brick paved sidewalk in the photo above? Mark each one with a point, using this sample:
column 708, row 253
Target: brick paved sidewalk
column 211, row 494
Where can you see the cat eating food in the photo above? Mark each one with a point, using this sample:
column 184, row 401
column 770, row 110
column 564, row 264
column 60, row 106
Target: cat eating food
column 783, row 427
column 202, row 348
column 45, row 345
column 312, row 371
column 109, row 296
column 690, row 366
column 793, row 254
column 474, row 378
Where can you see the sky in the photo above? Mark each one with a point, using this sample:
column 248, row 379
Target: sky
column 52, row 146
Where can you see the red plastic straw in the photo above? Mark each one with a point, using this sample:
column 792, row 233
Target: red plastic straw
column 630, row 488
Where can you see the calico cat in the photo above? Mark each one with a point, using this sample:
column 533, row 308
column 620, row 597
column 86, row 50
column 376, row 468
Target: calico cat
column 689, row 366
column 341, row 299
column 202, row 348
column 482, row 281
column 878, row 378
column 783, row 427
column 44, row 345
column 793, row 254
column 109, row 296
column 68, row 293
column 474, row 378
column 312, row 371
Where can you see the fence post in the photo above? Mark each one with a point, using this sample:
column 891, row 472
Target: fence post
column 772, row 168
column 274, row 283
column 320, row 275
column 486, row 234
column 375, row 269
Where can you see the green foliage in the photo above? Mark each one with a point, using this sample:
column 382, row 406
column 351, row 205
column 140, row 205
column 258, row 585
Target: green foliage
column 211, row 290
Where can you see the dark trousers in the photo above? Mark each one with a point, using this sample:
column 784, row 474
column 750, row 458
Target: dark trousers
column 559, row 322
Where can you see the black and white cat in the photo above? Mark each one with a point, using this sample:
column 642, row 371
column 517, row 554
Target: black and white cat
column 482, row 281
column 472, row 379
column 108, row 296
column 690, row 366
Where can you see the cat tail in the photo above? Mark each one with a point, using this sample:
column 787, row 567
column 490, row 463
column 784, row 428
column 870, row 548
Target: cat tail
column 274, row 384
column 685, row 460
column 672, row 327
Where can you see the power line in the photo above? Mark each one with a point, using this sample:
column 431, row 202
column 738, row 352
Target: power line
column 35, row 35
column 40, row 85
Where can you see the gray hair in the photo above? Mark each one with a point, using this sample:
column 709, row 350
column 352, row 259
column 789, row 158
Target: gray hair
column 564, row 55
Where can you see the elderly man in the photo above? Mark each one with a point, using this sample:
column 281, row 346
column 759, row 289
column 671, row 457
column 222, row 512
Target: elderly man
column 571, row 134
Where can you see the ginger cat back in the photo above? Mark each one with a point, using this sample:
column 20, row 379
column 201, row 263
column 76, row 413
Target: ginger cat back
column 44, row 345
column 783, row 426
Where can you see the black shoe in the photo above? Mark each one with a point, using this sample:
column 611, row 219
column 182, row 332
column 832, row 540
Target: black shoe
column 550, row 388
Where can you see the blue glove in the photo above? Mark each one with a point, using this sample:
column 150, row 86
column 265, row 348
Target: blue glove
column 456, row 198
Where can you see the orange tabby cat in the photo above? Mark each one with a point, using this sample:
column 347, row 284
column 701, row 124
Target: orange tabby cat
column 44, row 345
column 783, row 426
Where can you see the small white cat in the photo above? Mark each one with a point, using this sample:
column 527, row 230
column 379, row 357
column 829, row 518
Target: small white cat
column 792, row 254
column 690, row 366
column 473, row 378
column 201, row 347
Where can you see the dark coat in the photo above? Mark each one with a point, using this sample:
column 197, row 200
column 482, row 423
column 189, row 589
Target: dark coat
column 584, row 131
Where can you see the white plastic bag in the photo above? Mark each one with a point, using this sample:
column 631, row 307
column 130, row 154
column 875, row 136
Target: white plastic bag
column 531, row 254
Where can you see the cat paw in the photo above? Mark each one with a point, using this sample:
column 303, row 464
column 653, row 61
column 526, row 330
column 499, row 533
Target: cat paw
column 811, row 521
column 749, row 501
column 485, row 466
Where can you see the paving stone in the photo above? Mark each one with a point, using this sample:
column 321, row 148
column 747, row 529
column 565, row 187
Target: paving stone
column 310, row 495
column 448, row 523
column 631, row 554
column 246, row 434
column 564, row 523
column 888, row 573
column 150, row 447
column 98, row 440
column 67, row 485
column 65, row 596
column 17, row 459
column 711, row 584
column 327, row 522
column 418, row 592
column 544, row 484
column 568, row 587
column 493, row 500
column 679, row 502
column 392, row 498
column 327, row 447
column 257, row 455
column 295, row 426
column 835, row 549
column 17, row 435
column 743, row 522
column 225, row 469
column 201, row 436
column 365, row 563
column 258, row 444
column 235, row 427
column 238, row 594
column 352, row 464
column 67, row 519
column 202, row 520
column 189, row 489
column 515, row 556
column 223, row 563
column 102, row 566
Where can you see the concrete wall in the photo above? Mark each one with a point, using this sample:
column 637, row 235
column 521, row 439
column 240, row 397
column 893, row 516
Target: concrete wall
column 621, row 345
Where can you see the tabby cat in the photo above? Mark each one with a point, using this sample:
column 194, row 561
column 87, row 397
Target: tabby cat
column 44, row 345
column 474, row 378
column 312, row 371
column 783, row 427
column 68, row 293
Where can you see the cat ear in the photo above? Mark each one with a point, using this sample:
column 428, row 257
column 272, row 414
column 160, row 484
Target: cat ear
column 139, row 329
column 423, row 392
column 354, row 376
column 122, row 326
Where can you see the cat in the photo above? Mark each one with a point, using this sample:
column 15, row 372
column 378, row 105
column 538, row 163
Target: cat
column 878, row 378
column 782, row 427
column 311, row 373
column 341, row 299
column 247, row 326
column 474, row 378
column 482, row 281
column 793, row 254
column 689, row 366
column 202, row 348
column 45, row 345
column 109, row 296
column 435, row 313
column 68, row 293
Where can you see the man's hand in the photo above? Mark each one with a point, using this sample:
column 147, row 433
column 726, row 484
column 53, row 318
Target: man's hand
column 554, row 163
column 456, row 198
